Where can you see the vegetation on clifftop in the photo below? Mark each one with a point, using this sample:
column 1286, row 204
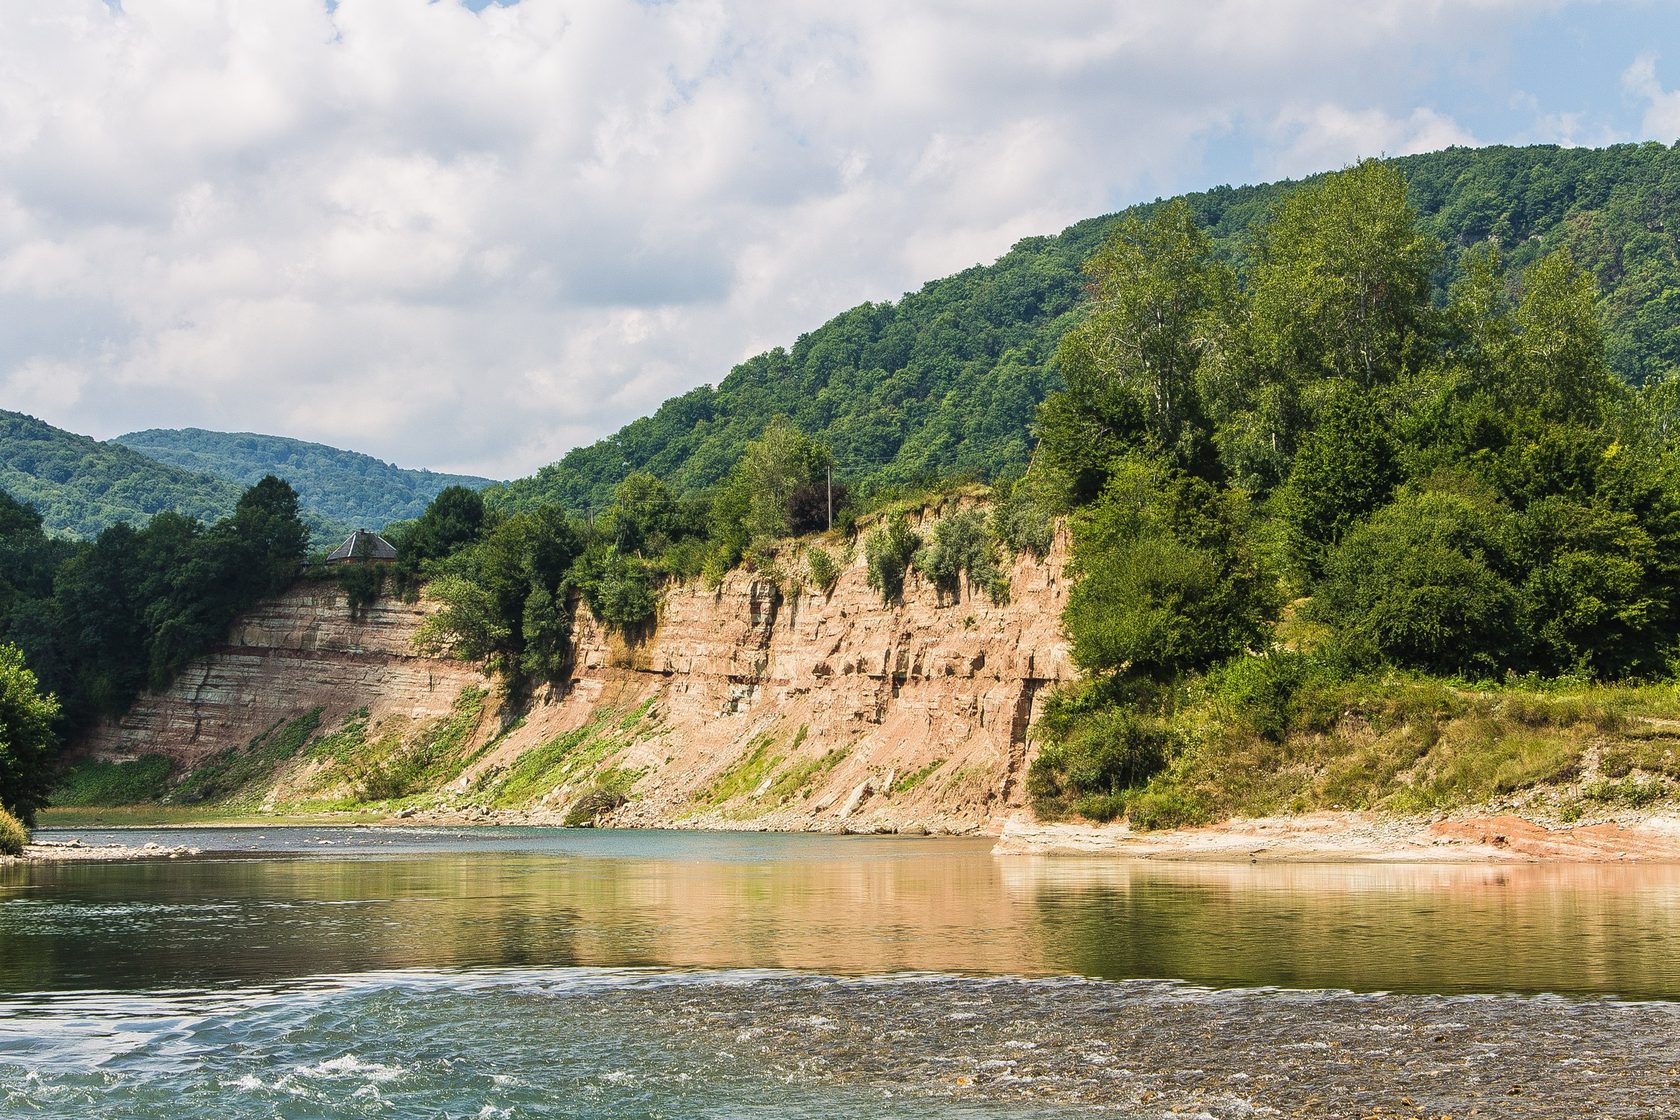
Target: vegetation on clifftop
column 1335, row 541
column 945, row 382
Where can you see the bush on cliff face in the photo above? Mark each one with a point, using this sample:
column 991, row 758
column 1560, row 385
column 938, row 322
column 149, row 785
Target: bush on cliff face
column 825, row 571
column 889, row 550
column 961, row 552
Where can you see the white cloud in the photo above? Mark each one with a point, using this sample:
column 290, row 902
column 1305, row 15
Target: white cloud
column 473, row 240
column 1662, row 106
column 1330, row 136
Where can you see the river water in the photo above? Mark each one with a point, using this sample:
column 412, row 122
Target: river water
column 308, row 972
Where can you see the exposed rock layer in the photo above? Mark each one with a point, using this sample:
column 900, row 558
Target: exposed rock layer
column 300, row 651
column 909, row 716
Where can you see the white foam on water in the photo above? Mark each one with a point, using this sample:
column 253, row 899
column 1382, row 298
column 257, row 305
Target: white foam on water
column 349, row 1065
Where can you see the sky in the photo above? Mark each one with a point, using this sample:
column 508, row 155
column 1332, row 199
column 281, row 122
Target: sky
column 471, row 236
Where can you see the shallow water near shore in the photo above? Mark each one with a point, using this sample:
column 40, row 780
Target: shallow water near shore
column 529, row 972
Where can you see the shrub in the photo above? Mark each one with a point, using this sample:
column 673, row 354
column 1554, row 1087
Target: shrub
column 889, row 550
column 1168, row 581
column 13, row 836
column 1025, row 520
column 1103, row 753
column 1421, row 582
column 1101, row 806
column 825, row 572
column 961, row 548
column 1167, row 808
column 616, row 587
column 608, row 794
column 362, row 585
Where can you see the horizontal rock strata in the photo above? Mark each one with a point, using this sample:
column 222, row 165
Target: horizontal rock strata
column 849, row 714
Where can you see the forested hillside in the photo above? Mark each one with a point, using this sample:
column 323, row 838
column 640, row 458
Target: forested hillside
column 1339, row 543
column 944, row 382
column 347, row 487
column 81, row 486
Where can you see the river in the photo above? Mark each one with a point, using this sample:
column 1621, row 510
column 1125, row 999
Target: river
column 316, row 972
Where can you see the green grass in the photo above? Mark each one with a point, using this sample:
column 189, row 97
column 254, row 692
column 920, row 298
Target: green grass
column 426, row 760
column 562, row 760
column 241, row 775
column 633, row 719
column 1271, row 735
column 101, row 782
column 798, row 779
column 916, row 777
column 744, row 776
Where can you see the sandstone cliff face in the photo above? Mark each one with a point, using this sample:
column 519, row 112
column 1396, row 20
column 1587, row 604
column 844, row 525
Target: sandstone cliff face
column 300, row 651
column 752, row 708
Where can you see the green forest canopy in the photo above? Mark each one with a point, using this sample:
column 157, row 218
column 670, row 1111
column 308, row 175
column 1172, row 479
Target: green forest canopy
column 345, row 487
column 945, row 382
column 1319, row 446
column 81, row 486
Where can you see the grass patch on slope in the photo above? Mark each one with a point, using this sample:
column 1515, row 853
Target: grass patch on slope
column 563, row 760
column 242, row 775
column 99, row 782
column 1280, row 734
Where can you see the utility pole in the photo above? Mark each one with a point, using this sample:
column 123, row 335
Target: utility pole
column 831, row 497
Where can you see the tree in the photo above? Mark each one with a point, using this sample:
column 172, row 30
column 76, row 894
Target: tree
column 1561, row 370
column 1423, row 583
column 643, row 516
column 1345, row 467
column 1167, row 579
column 1342, row 284
column 468, row 626
column 758, row 498
column 453, row 520
column 616, row 587
column 1157, row 298
column 271, row 534
column 27, row 741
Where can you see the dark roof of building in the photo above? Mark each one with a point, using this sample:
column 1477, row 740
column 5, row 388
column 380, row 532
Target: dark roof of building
column 363, row 545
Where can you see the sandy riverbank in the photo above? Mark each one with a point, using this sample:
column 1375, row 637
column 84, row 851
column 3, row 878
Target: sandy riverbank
column 1329, row 837
column 1361, row 837
column 74, row 851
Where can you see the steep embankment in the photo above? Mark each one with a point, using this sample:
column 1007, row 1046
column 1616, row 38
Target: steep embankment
column 744, row 707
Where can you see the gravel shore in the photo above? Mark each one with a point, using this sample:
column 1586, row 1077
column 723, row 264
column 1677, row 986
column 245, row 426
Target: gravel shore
column 1361, row 837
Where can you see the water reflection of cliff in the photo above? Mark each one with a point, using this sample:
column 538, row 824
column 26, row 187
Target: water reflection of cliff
column 847, row 907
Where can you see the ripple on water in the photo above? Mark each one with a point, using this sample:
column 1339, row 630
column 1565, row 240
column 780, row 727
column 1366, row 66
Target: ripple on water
column 632, row 1043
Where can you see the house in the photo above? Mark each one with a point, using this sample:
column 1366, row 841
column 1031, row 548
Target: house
column 363, row 547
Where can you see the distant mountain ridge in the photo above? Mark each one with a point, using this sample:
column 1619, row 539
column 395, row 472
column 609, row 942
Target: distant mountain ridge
column 82, row 486
column 348, row 487
column 945, row 382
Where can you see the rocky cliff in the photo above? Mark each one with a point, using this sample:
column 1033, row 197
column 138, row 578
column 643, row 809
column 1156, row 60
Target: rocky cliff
column 290, row 655
column 745, row 706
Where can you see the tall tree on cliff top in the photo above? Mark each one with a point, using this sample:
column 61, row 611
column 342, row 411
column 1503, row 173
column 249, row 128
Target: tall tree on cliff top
column 1158, row 302
column 1340, row 293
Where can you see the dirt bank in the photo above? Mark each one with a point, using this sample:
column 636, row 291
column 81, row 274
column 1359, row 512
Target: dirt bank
column 1361, row 837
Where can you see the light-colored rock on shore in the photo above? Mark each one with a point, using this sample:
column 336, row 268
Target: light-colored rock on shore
column 1359, row 837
